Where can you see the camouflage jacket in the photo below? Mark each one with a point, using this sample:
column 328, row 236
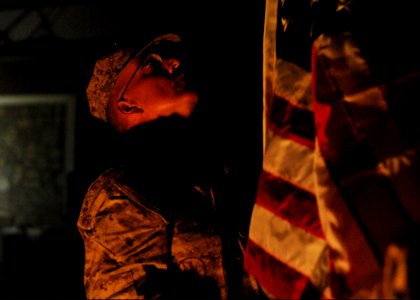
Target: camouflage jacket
column 134, row 252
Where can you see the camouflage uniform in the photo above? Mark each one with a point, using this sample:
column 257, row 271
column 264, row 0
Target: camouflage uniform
column 133, row 252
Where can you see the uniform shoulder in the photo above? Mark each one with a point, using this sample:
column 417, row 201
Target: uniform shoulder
column 96, row 194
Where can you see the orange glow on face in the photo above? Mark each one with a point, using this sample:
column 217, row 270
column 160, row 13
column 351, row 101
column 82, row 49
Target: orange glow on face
column 153, row 87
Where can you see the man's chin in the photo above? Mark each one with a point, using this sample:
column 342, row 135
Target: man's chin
column 187, row 103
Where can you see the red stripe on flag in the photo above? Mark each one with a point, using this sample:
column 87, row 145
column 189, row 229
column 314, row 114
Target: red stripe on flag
column 289, row 202
column 290, row 119
column 285, row 133
column 338, row 141
column 350, row 146
column 282, row 281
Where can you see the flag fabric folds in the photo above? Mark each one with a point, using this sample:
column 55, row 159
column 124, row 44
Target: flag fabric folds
column 286, row 251
column 340, row 181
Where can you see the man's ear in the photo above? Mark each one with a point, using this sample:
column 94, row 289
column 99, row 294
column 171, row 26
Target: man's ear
column 128, row 108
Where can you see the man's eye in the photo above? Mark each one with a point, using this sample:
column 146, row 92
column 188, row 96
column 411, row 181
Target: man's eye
column 147, row 66
column 152, row 59
column 151, row 62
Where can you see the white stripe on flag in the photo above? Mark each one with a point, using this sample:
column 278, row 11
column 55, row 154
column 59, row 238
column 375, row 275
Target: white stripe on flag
column 291, row 245
column 293, row 84
column 290, row 161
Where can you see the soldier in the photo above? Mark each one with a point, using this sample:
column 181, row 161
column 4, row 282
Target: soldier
column 149, row 230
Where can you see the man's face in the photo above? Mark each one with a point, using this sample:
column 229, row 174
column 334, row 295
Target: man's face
column 154, row 81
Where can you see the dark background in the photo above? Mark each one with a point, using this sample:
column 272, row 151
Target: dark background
column 50, row 47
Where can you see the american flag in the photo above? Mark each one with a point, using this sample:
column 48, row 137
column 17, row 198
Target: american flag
column 286, row 250
column 340, row 179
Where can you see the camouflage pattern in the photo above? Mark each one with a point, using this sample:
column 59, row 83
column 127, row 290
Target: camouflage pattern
column 103, row 79
column 128, row 244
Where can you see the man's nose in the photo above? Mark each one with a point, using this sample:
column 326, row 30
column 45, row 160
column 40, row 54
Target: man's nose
column 171, row 65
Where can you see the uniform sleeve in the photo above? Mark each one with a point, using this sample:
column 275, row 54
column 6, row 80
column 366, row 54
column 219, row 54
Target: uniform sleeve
column 125, row 243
